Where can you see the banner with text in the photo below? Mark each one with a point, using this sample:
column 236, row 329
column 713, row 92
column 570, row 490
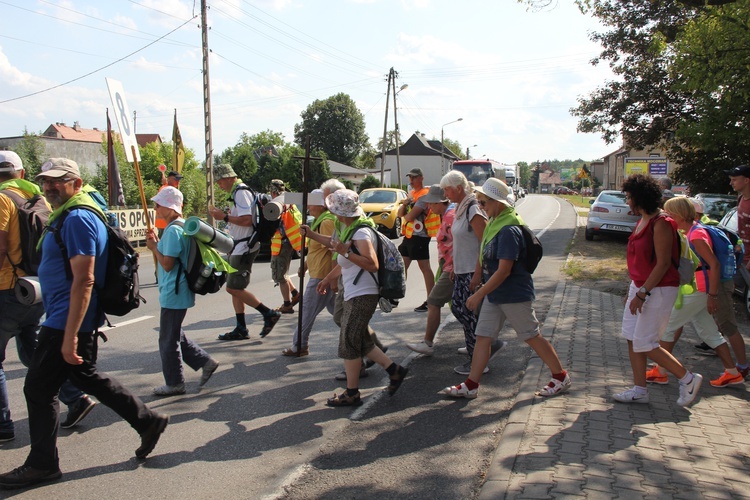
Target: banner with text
column 133, row 223
column 655, row 167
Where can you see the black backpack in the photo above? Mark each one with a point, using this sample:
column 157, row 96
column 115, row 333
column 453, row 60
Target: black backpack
column 32, row 219
column 264, row 228
column 202, row 278
column 391, row 279
column 120, row 293
column 534, row 249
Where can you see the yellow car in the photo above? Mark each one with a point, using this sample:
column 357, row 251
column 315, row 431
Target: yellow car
column 381, row 205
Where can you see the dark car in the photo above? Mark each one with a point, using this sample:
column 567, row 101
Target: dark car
column 742, row 278
column 564, row 190
column 717, row 205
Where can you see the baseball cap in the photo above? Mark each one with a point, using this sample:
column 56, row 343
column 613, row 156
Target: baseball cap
column 176, row 175
column 59, row 167
column 169, row 197
column 223, row 170
column 415, row 172
column 743, row 170
column 278, row 186
column 497, row 190
column 10, row 162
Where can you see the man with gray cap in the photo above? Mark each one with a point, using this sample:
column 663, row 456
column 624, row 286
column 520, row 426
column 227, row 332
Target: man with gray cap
column 22, row 321
column 239, row 219
column 74, row 261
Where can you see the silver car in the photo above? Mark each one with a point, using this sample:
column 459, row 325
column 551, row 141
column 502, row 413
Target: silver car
column 610, row 214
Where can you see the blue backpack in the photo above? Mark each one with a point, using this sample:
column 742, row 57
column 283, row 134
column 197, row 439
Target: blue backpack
column 728, row 248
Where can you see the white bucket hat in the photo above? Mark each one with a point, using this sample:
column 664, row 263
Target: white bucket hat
column 497, row 190
column 345, row 203
column 169, row 197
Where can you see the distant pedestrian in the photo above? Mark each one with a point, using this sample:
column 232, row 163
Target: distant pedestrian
column 468, row 227
column 172, row 251
column 418, row 227
column 652, row 248
column 239, row 220
column 665, row 184
column 506, row 295
column 319, row 264
column 443, row 290
column 355, row 253
column 286, row 242
column 67, row 346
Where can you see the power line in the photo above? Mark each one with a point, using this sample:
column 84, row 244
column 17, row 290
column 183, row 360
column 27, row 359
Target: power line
column 96, row 70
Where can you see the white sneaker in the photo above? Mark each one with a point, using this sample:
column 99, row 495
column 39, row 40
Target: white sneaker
column 169, row 390
column 462, row 350
column 631, row 396
column 460, row 391
column 422, row 348
column 688, row 392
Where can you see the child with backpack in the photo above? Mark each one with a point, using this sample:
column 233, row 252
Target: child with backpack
column 699, row 306
column 175, row 297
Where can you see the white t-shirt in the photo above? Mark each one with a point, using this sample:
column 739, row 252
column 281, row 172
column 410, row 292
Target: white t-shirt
column 243, row 205
column 465, row 242
column 366, row 284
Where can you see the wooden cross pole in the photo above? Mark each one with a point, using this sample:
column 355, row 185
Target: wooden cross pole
column 305, row 179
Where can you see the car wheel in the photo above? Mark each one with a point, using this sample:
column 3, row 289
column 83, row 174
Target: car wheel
column 589, row 235
column 396, row 231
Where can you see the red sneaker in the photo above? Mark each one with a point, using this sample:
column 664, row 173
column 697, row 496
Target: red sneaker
column 728, row 379
column 654, row 376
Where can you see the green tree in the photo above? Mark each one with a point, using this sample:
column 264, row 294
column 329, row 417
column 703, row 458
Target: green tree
column 682, row 83
column 32, row 152
column 455, row 147
column 335, row 126
column 369, row 181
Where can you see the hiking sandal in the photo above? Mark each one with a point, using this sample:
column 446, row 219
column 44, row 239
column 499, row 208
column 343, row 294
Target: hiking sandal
column 344, row 400
column 269, row 322
column 396, row 380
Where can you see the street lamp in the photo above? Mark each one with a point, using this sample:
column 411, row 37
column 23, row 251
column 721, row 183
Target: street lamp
column 442, row 145
column 467, row 152
column 395, row 119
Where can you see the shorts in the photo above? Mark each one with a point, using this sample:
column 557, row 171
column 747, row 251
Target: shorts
column 280, row 263
column 725, row 317
column 694, row 311
column 520, row 315
column 442, row 291
column 244, row 265
column 646, row 328
column 415, row 248
column 355, row 340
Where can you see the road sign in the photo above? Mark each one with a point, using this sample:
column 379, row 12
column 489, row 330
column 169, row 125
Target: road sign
column 122, row 114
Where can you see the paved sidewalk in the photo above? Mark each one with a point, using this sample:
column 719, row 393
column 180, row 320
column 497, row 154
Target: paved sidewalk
column 582, row 444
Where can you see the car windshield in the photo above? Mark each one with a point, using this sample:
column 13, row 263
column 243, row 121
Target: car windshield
column 475, row 172
column 613, row 197
column 377, row 197
column 717, row 207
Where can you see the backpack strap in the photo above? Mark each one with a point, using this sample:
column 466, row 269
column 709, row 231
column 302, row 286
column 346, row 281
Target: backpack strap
column 675, row 235
column 180, row 267
column 355, row 250
column 704, row 265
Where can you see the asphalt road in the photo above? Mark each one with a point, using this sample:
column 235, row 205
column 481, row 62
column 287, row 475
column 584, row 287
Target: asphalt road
column 260, row 428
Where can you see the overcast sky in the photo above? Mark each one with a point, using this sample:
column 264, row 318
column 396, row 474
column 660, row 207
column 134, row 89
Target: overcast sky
column 511, row 74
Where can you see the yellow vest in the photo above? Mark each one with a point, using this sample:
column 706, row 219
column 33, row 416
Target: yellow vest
column 431, row 221
column 291, row 219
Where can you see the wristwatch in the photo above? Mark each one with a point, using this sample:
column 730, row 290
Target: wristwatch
column 346, row 255
column 226, row 218
column 645, row 292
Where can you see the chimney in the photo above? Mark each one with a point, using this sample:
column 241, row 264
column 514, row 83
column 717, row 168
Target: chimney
column 76, row 126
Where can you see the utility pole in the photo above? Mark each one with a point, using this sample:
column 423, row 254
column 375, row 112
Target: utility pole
column 133, row 122
column 385, row 129
column 207, row 112
column 395, row 120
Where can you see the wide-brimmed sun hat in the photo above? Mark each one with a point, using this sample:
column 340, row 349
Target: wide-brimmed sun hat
column 436, row 194
column 169, row 197
column 497, row 190
column 345, row 203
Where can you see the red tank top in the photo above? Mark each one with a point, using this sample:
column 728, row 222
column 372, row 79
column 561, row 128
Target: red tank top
column 642, row 256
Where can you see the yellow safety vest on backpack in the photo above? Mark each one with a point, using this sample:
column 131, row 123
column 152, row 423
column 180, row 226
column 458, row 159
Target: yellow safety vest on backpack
column 291, row 219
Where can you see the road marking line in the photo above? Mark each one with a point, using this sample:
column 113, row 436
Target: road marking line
column 125, row 323
column 557, row 215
